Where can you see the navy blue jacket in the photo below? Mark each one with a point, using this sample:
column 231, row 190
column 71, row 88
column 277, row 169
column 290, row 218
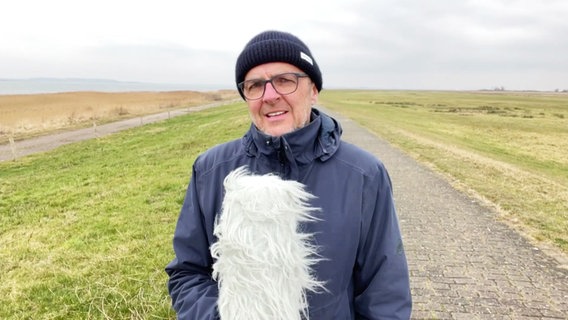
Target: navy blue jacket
column 358, row 236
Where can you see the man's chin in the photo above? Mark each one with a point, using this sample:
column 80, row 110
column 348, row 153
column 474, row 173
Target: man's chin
column 278, row 131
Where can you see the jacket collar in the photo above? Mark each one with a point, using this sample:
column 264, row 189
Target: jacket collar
column 319, row 139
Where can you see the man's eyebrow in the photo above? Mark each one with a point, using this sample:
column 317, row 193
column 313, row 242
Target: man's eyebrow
column 272, row 76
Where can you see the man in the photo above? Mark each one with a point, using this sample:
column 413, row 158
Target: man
column 362, row 262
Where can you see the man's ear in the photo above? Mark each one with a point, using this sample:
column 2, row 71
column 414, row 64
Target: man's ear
column 315, row 95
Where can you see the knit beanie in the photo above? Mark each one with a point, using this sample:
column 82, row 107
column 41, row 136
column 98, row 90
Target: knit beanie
column 277, row 46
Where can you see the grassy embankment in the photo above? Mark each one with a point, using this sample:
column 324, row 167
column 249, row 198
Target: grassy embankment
column 508, row 148
column 86, row 229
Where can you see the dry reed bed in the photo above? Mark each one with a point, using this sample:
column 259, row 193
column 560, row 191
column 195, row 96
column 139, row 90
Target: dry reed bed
column 22, row 116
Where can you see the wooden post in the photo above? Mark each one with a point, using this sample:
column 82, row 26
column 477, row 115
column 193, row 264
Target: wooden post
column 13, row 147
column 95, row 129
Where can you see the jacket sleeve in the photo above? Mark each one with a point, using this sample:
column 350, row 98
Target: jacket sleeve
column 382, row 288
column 193, row 291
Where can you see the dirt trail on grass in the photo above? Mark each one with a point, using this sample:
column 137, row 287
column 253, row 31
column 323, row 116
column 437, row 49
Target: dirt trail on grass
column 48, row 142
column 464, row 263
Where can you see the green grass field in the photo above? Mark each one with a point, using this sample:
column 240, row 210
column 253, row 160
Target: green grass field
column 85, row 230
column 508, row 148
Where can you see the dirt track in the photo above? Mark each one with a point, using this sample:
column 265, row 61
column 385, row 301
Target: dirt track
column 464, row 264
column 49, row 142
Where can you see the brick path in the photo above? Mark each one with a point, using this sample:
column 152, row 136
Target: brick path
column 463, row 263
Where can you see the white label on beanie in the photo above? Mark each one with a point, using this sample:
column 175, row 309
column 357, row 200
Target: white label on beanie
column 307, row 58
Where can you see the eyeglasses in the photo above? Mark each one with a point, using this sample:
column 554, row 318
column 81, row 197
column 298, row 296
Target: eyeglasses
column 284, row 83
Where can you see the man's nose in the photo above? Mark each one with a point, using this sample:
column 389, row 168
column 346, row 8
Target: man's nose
column 270, row 92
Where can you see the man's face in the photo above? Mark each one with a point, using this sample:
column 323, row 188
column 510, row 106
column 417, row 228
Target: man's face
column 275, row 114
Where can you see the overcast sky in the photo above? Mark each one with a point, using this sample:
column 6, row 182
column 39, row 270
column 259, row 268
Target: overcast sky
column 382, row 44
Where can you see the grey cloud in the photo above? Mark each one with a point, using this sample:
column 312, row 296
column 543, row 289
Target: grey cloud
column 502, row 39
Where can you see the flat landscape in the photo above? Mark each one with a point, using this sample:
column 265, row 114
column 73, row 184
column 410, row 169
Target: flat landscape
column 507, row 148
column 86, row 228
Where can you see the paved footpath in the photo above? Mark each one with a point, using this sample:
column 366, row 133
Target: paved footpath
column 463, row 263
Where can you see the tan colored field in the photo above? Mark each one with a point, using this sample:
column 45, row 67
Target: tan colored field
column 23, row 116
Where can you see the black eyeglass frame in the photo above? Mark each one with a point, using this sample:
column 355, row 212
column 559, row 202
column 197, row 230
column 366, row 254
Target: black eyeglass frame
column 298, row 75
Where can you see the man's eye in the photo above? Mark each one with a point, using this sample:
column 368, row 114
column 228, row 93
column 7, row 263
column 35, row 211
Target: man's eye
column 285, row 79
column 253, row 85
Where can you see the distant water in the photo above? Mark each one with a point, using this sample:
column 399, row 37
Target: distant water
column 51, row 85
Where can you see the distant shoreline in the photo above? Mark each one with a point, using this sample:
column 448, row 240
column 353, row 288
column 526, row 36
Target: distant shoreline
column 55, row 85
column 71, row 85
